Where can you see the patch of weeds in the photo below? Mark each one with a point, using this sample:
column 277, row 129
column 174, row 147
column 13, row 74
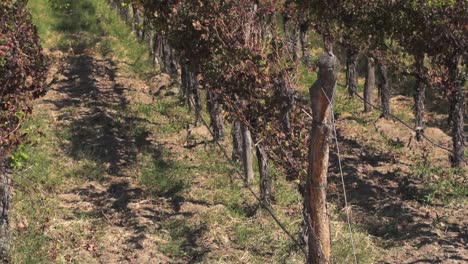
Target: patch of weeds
column 441, row 184
column 175, row 117
column 89, row 24
column 307, row 77
column 285, row 193
column 394, row 145
column 448, row 189
column 345, row 105
column 182, row 240
column 342, row 248
column 243, row 234
column 145, row 109
column 34, row 177
column 407, row 118
column 89, row 170
column 176, row 230
column 163, row 107
column 211, row 159
column 169, row 128
column 243, row 209
column 32, row 248
column 165, row 177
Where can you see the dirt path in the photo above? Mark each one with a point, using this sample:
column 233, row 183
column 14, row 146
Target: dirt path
column 89, row 101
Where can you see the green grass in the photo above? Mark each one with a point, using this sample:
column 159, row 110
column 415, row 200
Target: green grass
column 89, row 24
column 441, row 184
column 41, row 169
column 34, row 175
column 165, row 177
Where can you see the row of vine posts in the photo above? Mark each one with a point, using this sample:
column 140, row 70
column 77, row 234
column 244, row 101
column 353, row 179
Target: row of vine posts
column 245, row 60
column 245, row 56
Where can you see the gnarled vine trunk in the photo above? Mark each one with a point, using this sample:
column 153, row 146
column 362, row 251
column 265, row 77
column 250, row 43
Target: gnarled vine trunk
column 216, row 120
column 457, row 109
column 351, row 71
column 236, row 133
column 247, row 154
column 369, row 85
column 304, row 43
column 419, row 95
column 265, row 180
column 286, row 94
column 290, row 31
column 157, row 51
column 384, row 90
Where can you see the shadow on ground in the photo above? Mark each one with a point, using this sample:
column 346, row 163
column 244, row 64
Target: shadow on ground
column 388, row 203
column 94, row 111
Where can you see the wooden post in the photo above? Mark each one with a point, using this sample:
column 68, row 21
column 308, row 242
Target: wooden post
column 265, row 180
column 384, row 90
column 315, row 192
column 247, row 155
column 216, row 119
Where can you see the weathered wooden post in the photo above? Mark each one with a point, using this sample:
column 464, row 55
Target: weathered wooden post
column 247, row 155
column 265, row 180
column 321, row 94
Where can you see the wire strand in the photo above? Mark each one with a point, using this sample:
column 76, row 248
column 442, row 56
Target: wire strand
column 267, row 207
column 347, row 208
column 400, row 121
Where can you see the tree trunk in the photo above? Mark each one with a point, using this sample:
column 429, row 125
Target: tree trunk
column 457, row 101
column 124, row 12
column 287, row 102
column 237, row 141
column 351, row 71
column 290, row 31
column 5, row 184
column 166, row 56
column 247, row 155
column 419, row 96
column 169, row 59
column 174, row 64
column 184, row 83
column 384, row 90
column 115, row 4
column 134, row 18
column 157, row 51
column 315, row 191
column 138, row 23
column 214, row 110
column 265, row 181
column 150, row 41
column 370, row 84
column 304, row 42
column 142, row 34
